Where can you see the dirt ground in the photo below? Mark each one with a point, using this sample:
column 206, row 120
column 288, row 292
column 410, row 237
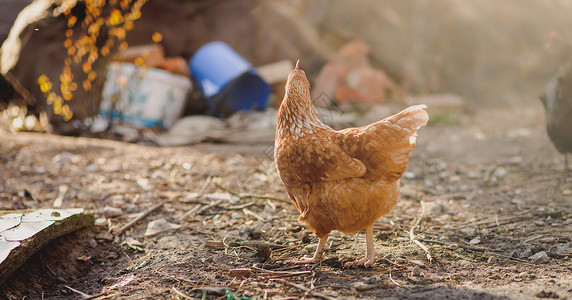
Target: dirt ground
column 492, row 186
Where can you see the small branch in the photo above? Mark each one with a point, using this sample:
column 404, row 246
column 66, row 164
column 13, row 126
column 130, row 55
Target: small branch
column 181, row 294
column 190, row 212
column 305, row 289
column 282, row 272
column 412, row 236
column 391, row 278
column 213, row 204
column 532, row 238
column 241, row 206
column 85, row 296
column 204, row 186
column 251, row 213
column 139, row 218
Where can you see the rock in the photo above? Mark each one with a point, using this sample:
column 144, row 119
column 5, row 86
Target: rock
column 416, row 271
column 111, row 212
column 500, row 172
column 539, row 257
column 251, row 233
column 111, row 168
column 433, row 277
column 91, row 168
column 92, row 243
column 475, row 241
column 190, row 197
column 469, row 232
column 526, row 253
column 464, row 263
column 100, row 222
column 236, row 215
column 158, row 226
column 350, row 77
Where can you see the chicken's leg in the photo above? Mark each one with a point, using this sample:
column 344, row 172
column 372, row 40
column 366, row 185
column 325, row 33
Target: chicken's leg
column 370, row 253
column 318, row 255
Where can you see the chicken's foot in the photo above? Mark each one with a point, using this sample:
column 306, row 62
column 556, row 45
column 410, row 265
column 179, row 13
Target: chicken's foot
column 370, row 253
column 318, row 255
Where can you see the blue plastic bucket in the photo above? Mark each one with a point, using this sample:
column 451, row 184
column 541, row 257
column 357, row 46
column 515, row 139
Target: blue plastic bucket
column 227, row 80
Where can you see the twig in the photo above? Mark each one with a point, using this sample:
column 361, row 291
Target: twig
column 181, row 294
column 213, row 204
column 305, row 289
column 281, row 272
column 251, row 213
column 191, row 211
column 139, row 218
column 391, row 278
column 412, row 236
column 241, row 206
column 204, row 186
column 85, row 296
column 260, row 244
column 532, row 238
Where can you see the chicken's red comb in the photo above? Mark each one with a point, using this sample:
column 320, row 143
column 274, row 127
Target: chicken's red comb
column 297, row 63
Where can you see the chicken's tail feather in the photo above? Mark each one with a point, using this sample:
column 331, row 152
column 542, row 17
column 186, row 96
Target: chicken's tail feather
column 411, row 118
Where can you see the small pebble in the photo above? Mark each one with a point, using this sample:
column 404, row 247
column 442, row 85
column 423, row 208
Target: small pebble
column 416, row 271
column 526, row 253
column 475, row 241
column 470, row 232
column 92, row 243
column 433, row 277
column 236, row 216
column 100, row 222
column 464, row 263
column 110, row 212
column 539, row 258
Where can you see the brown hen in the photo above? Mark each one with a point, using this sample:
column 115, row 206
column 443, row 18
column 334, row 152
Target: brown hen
column 341, row 180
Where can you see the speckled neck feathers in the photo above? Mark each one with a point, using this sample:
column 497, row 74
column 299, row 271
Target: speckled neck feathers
column 297, row 115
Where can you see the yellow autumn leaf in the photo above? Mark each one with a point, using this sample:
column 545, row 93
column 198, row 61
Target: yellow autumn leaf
column 86, row 85
column 115, row 17
column 157, row 37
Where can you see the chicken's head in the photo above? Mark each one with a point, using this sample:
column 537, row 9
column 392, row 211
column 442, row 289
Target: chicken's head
column 297, row 83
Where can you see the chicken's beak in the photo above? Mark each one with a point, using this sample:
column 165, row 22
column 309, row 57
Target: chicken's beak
column 297, row 65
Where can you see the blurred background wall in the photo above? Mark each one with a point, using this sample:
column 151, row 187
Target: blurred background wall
column 487, row 51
